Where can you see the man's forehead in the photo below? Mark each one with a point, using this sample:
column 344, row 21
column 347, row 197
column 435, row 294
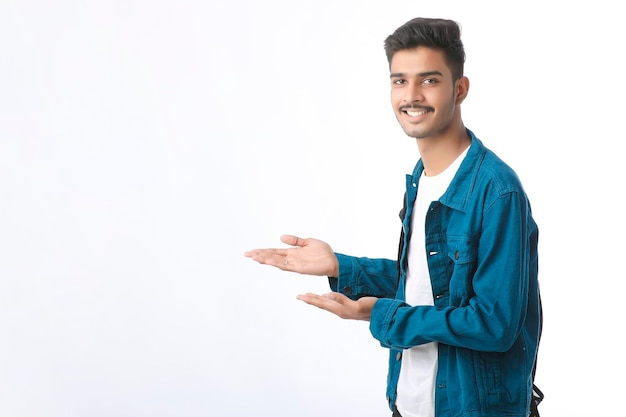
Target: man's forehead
column 418, row 60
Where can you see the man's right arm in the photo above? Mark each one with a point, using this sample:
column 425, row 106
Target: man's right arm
column 359, row 277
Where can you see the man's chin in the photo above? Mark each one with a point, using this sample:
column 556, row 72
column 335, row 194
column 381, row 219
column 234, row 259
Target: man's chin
column 415, row 134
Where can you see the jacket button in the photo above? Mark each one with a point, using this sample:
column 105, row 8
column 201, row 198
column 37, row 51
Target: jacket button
column 347, row 290
column 456, row 255
column 398, row 356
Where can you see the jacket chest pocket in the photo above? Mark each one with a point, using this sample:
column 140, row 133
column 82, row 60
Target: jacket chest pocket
column 462, row 258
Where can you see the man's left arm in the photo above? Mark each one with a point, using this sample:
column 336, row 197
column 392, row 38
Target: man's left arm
column 493, row 316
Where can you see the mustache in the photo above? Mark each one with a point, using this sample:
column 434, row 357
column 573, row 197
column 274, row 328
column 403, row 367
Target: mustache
column 415, row 107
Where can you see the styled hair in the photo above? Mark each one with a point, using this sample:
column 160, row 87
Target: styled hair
column 442, row 34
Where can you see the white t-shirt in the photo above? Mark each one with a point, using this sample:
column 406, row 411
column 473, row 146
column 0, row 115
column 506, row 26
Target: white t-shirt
column 416, row 385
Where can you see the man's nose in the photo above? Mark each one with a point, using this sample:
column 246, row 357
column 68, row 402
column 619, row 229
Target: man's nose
column 414, row 94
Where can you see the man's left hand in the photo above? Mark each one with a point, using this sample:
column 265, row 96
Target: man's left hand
column 341, row 305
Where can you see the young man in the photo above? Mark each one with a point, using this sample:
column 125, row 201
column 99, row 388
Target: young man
column 460, row 310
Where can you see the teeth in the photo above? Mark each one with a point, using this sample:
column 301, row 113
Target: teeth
column 414, row 113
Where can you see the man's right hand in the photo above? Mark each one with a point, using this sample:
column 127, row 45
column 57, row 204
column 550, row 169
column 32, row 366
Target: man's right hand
column 307, row 256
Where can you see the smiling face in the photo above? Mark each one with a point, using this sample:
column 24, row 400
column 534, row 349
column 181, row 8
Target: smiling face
column 424, row 96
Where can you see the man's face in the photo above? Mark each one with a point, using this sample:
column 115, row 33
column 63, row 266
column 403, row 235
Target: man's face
column 423, row 95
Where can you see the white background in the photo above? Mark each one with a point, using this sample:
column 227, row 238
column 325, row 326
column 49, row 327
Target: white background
column 145, row 145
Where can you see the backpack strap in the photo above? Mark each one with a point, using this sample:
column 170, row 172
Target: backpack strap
column 537, row 395
column 401, row 243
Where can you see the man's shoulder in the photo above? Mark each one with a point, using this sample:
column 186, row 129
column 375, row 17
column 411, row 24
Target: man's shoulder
column 495, row 173
column 490, row 170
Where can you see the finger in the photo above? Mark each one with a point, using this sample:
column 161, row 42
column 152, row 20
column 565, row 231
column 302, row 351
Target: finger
column 259, row 254
column 272, row 257
column 313, row 299
column 322, row 302
column 336, row 297
column 293, row 240
column 264, row 253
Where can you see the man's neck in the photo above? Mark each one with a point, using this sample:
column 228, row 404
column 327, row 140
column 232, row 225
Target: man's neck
column 439, row 152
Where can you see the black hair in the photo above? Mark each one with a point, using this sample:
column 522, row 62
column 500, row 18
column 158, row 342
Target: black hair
column 442, row 34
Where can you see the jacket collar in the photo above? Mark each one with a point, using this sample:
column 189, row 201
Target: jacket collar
column 457, row 196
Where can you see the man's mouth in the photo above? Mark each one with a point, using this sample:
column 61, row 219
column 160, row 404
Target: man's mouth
column 413, row 112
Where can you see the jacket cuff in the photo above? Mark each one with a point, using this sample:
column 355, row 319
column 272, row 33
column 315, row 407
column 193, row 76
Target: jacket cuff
column 345, row 283
column 382, row 319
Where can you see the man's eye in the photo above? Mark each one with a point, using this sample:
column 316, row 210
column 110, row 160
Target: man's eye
column 399, row 82
column 430, row 81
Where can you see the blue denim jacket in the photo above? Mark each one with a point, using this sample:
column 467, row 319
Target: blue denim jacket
column 481, row 243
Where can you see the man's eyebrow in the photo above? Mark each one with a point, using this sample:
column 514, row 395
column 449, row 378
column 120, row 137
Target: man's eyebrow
column 421, row 74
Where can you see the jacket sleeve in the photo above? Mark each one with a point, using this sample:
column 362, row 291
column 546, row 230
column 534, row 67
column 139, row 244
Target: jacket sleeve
column 359, row 277
column 492, row 317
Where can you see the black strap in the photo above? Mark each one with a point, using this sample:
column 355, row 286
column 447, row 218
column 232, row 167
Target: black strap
column 537, row 396
column 401, row 243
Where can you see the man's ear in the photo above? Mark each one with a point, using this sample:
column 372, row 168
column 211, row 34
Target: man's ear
column 462, row 88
